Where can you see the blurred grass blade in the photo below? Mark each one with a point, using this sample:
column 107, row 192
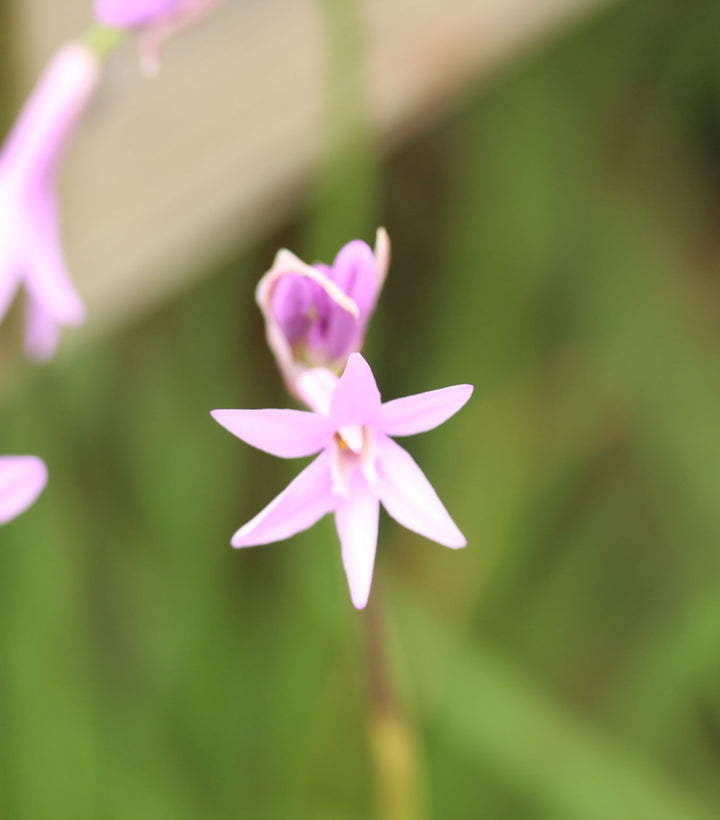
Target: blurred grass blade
column 491, row 712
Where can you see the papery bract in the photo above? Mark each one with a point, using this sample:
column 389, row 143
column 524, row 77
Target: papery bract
column 22, row 479
column 30, row 246
column 358, row 467
column 317, row 315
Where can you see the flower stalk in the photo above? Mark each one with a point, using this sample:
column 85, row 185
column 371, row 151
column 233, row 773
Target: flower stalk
column 394, row 749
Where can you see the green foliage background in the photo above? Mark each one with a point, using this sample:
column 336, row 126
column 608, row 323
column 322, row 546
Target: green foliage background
column 556, row 244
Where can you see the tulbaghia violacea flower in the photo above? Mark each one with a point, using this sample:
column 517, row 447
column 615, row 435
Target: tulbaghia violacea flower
column 317, row 315
column 22, row 479
column 156, row 20
column 30, row 247
column 358, row 467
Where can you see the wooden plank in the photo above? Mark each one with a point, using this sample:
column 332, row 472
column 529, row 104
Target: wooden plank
column 167, row 174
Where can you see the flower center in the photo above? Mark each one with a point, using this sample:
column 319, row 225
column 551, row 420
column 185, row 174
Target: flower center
column 353, row 450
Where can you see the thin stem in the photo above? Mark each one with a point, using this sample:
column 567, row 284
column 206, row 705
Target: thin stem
column 104, row 40
column 393, row 744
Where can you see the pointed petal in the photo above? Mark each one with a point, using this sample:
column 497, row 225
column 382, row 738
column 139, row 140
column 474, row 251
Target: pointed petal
column 356, row 519
column 46, row 278
column 422, row 412
column 355, row 271
column 303, row 502
column 356, row 399
column 410, row 498
column 283, row 433
column 22, row 479
column 42, row 332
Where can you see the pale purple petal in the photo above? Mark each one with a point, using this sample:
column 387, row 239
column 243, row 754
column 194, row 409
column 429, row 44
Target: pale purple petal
column 283, row 433
column 356, row 519
column 133, row 13
column 42, row 332
column 294, row 301
column 422, row 412
column 356, row 399
column 22, row 479
column 303, row 502
column 50, row 114
column 355, row 271
column 46, row 277
column 410, row 498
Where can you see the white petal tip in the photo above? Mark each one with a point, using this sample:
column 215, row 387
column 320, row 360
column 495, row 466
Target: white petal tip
column 456, row 543
column 238, row 539
column 219, row 417
column 360, row 601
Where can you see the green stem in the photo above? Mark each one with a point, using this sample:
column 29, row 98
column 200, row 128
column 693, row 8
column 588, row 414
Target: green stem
column 393, row 745
column 103, row 40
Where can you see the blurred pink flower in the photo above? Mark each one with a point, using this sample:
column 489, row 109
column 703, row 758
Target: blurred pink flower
column 359, row 466
column 317, row 315
column 157, row 20
column 30, row 248
column 22, row 479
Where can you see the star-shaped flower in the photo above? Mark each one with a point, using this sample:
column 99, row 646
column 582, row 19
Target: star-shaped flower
column 30, row 247
column 22, row 479
column 359, row 466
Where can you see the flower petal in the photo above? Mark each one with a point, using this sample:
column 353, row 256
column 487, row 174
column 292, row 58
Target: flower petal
column 356, row 519
column 283, row 433
column 356, row 399
column 410, row 498
column 133, row 13
column 422, row 412
column 293, row 300
column 46, row 278
column 50, row 114
column 355, row 271
column 22, row 479
column 303, row 502
column 42, row 331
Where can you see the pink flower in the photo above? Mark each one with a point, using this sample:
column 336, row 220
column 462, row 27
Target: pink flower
column 157, row 20
column 359, row 466
column 30, row 248
column 22, row 479
column 135, row 13
column 317, row 315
